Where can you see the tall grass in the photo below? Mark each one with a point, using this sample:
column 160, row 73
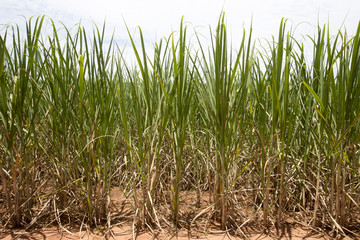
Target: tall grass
column 274, row 128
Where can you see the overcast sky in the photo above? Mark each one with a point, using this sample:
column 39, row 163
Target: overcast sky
column 159, row 18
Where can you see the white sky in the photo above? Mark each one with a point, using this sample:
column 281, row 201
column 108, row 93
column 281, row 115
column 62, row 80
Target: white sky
column 159, row 18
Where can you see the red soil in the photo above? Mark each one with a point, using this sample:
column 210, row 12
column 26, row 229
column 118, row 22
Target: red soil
column 125, row 230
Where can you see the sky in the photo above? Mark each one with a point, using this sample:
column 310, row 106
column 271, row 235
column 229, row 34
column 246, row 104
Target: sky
column 159, row 18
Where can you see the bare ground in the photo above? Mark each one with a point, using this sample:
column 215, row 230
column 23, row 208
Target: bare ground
column 202, row 229
column 126, row 232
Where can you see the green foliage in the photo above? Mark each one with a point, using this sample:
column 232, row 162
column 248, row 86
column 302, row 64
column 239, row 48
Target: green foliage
column 76, row 120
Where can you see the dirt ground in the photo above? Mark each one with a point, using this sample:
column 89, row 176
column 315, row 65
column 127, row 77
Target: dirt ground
column 125, row 231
